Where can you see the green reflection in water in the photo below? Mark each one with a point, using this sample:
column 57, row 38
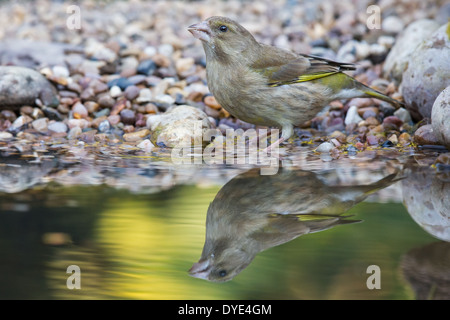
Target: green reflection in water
column 140, row 247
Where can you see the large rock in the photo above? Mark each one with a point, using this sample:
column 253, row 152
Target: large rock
column 440, row 117
column 428, row 73
column 182, row 125
column 397, row 60
column 426, row 197
column 21, row 86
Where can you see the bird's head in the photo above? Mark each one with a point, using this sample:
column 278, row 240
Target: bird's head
column 220, row 264
column 223, row 38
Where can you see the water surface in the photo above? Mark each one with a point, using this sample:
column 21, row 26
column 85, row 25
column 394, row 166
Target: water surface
column 135, row 227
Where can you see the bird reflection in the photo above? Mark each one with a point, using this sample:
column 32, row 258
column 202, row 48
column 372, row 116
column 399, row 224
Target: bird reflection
column 254, row 212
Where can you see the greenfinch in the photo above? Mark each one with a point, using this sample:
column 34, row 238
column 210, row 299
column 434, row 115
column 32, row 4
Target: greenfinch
column 255, row 212
column 270, row 86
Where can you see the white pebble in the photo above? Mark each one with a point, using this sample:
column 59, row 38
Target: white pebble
column 145, row 95
column 115, row 91
column 352, row 116
column 5, row 135
column 325, row 147
column 146, row 145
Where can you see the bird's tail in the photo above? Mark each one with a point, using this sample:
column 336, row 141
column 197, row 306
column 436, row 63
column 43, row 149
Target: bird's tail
column 372, row 93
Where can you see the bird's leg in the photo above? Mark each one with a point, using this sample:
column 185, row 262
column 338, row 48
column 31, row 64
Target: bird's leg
column 261, row 135
column 287, row 132
column 274, row 145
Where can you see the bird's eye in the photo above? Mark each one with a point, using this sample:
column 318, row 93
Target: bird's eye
column 223, row 28
column 222, row 273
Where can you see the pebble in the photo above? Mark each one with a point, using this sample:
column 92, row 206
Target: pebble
column 352, row 116
column 440, row 117
column 128, row 116
column 136, row 136
column 392, row 24
column 79, row 111
column 404, row 138
column 114, row 119
column 425, row 135
column 145, row 95
column 82, row 123
column 211, row 102
column 8, row 115
column 5, row 135
column 403, row 115
column 40, row 124
column 147, row 67
column 132, row 92
column 392, row 122
column 74, row 133
column 122, row 83
column 115, row 91
column 57, row 127
column 21, row 121
column 106, row 101
column 104, row 126
column 145, row 145
column 325, row 147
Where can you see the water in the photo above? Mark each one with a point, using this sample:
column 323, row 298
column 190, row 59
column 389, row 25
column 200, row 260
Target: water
column 135, row 226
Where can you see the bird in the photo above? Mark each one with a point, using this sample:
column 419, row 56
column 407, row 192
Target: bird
column 254, row 212
column 271, row 86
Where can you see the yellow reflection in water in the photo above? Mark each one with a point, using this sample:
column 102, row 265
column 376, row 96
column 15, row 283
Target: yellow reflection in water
column 146, row 248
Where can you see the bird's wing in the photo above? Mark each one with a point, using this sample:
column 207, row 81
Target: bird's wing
column 282, row 228
column 281, row 67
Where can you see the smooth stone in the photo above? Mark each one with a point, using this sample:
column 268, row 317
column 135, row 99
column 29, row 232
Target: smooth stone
column 57, row 127
column 40, row 124
column 136, row 135
column 440, row 117
column 428, row 73
column 425, row 135
column 5, row 135
column 406, row 43
column 352, row 116
column 22, row 86
column 180, row 126
column 325, row 147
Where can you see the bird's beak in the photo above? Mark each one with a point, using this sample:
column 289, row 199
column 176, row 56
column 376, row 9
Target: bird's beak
column 201, row 31
column 200, row 269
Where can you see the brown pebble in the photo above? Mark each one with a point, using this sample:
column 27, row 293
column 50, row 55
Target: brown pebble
column 212, row 112
column 404, row 138
column 136, row 136
column 224, row 113
column 106, row 101
column 424, row 135
column 128, row 129
column 372, row 121
column 91, row 106
column 195, row 96
column 211, row 102
column 8, row 115
column 392, row 122
column 151, row 108
column 161, row 60
column 26, row 110
column 118, row 106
